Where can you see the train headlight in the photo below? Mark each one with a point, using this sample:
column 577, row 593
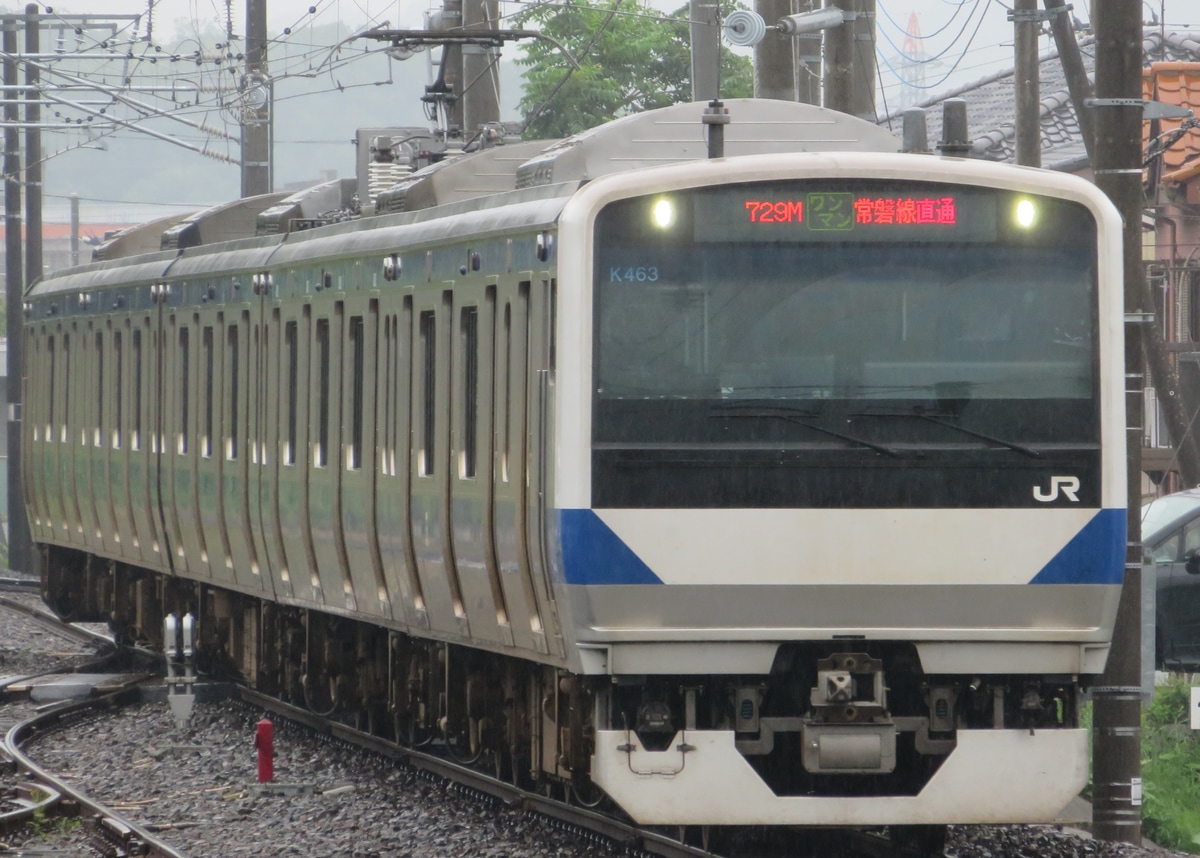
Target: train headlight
column 1025, row 214
column 663, row 213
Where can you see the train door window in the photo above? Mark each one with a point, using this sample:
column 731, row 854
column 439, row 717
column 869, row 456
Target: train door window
column 387, row 442
column 207, row 442
column 469, row 331
column 322, row 451
column 292, row 342
column 428, row 323
column 52, row 360
column 506, row 370
column 135, row 442
column 551, row 325
column 98, row 435
column 66, row 409
column 358, row 355
column 231, row 449
column 119, row 401
column 184, row 373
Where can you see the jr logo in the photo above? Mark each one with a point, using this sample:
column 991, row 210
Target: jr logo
column 1068, row 486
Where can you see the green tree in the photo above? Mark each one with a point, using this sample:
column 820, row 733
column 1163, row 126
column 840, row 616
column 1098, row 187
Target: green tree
column 630, row 60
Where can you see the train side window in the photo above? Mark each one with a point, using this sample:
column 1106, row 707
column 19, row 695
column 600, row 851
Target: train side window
column 428, row 323
column 322, row 451
column 469, row 326
column 358, row 346
column 209, row 353
column 231, row 450
column 291, row 339
column 184, row 373
column 119, row 390
column 98, row 436
column 135, row 442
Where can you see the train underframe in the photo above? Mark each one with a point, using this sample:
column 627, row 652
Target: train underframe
column 834, row 720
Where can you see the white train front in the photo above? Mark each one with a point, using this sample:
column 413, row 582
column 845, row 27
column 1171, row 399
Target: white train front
column 783, row 488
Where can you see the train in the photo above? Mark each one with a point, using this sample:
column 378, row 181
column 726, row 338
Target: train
column 722, row 466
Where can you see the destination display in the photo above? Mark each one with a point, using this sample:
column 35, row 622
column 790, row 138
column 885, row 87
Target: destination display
column 875, row 212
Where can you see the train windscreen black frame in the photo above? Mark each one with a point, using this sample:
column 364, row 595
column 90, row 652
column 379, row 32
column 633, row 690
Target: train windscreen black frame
column 752, row 340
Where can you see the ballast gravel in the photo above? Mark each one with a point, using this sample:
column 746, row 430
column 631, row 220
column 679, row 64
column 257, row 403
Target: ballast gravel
column 196, row 788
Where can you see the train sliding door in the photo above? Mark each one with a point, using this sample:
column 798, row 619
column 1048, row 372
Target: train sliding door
column 324, row 471
column 394, row 428
column 429, row 461
column 359, row 369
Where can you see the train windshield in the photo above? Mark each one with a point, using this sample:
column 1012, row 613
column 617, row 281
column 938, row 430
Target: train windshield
column 905, row 314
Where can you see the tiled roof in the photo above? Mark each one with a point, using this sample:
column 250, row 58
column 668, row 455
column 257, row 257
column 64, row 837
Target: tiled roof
column 991, row 105
column 1178, row 84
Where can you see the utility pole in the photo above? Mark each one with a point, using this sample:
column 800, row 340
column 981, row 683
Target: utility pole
column 481, row 76
column 862, row 86
column 20, row 542
column 806, row 57
column 774, row 76
column 839, row 60
column 850, row 60
column 1026, row 22
column 257, row 119
column 1117, row 165
column 705, row 32
column 33, row 147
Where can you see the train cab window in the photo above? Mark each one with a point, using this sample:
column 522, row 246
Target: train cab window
column 358, row 350
column 322, row 452
column 292, row 342
column 231, row 451
column 470, row 344
column 98, row 436
column 428, row 323
column 207, row 442
column 119, row 389
column 136, row 440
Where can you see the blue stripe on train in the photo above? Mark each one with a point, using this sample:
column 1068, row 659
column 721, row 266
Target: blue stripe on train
column 1096, row 555
column 593, row 554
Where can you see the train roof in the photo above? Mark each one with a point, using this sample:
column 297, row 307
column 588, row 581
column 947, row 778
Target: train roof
column 506, row 167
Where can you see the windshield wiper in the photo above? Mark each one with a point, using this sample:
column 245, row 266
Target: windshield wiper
column 1011, row 445
column 791, row 415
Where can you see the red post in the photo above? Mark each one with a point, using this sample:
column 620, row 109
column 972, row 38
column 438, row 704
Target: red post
column 264, row 741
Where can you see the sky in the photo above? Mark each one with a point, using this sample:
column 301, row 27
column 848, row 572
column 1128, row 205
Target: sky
column 960, row 41
column 957, row 42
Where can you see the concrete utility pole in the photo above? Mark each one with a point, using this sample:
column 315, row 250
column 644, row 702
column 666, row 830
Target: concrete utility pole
column 850, row 60
column 1116, row 775
column 1029, row 101
column 705, row 32
column 774, row 75
column 257, row 120
column 33, row 147
column 1078, row 83
column 481, row 71
column 806, row 57
column 20, row 542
